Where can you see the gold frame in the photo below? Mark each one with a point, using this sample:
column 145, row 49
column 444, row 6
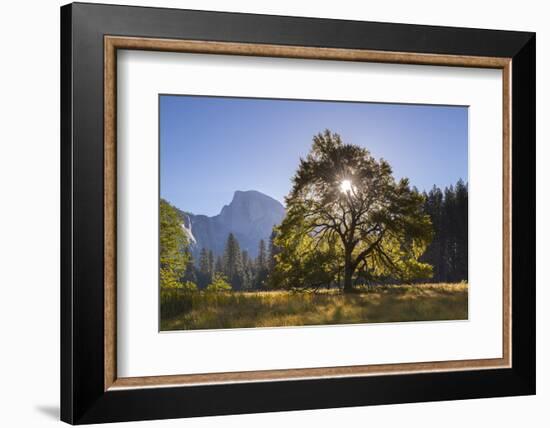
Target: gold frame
column 113, row 43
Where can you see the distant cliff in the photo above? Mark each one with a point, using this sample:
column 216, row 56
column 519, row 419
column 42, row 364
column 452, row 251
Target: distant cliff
column 250, row 216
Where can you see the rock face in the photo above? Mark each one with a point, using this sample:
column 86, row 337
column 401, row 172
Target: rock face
column 250, row 216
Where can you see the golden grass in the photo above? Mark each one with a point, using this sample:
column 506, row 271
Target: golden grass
column 395, row 303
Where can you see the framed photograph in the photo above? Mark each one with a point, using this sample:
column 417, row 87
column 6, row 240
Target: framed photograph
column 266, row 213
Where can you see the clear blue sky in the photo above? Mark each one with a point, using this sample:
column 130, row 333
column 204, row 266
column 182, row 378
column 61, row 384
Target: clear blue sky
column 212, row 146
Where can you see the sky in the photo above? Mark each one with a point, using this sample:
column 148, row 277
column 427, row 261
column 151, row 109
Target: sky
column 212, row 146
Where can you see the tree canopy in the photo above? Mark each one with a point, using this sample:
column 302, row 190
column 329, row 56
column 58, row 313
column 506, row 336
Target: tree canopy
column 348, row 219
column 173, row 242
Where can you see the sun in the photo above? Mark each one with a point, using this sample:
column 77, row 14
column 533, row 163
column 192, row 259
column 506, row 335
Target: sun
column 346, row 186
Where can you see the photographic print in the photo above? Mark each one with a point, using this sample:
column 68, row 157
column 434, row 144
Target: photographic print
column 280, row 212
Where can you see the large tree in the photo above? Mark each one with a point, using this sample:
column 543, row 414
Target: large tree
column 346, row 202
column 174, row 256
column 273, row 250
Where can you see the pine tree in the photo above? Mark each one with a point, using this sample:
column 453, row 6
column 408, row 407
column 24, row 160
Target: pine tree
column 190, row 275
column 232, row 262
column 218, row 267
column 262, row 255
column 448, row 251
column 461, row 200
column 273, row 251
column 204, row 268
column 211, row 263
column 434, row 253
column 449, row 221
column 244, row 257
column 248, row 271
column 261, row 265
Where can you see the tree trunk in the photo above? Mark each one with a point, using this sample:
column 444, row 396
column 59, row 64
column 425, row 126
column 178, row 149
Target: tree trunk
column 348, row 286
column 348, row 273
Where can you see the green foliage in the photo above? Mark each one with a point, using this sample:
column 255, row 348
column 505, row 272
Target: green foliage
column 232, row 262
column 218, row 266
column 173, row 245
column 346, row 206
column 219, row 283
column 262, row 265
column 249, row 272
column 304, row 262
column 261, row 260
column 188, row 286
column 191, row 274
column 206, row 268
column 211, row 264
column 273, row 250
column 168, row 278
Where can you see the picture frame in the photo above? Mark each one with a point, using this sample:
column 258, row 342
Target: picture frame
column 91, row 35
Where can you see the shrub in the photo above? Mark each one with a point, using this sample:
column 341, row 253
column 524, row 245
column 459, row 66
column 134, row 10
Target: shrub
column 188, row 286
column 219, row 283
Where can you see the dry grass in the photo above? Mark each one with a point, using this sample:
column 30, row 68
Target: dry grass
column 396, row 303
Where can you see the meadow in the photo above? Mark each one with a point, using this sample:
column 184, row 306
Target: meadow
column 184, row 310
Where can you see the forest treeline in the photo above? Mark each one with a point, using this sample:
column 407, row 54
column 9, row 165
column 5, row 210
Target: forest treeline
column 448, row 251
column 235, row 266
column 235, row 269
